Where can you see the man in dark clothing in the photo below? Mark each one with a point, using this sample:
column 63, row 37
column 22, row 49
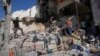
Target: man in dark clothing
column 16, row 26
column 16, row 23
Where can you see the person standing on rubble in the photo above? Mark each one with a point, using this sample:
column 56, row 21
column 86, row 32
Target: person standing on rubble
column 16, row 26
column 69, row 26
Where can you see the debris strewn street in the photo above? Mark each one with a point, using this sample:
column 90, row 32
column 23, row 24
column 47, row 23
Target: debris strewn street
column 50, row 28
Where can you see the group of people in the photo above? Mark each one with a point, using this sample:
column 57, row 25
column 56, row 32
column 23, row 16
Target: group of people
column 66, row 44
column 69, row 25
column 52, row 23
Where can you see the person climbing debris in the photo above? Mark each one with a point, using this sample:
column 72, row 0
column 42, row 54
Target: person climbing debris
column 17, row 26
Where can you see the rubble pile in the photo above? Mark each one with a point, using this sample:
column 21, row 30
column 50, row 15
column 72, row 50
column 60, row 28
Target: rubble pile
column 46, row 42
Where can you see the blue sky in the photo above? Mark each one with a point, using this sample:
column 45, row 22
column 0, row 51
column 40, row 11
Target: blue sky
column 19, row 5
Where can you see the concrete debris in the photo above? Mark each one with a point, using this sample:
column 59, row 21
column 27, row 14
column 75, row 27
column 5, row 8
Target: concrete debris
column 47, row 42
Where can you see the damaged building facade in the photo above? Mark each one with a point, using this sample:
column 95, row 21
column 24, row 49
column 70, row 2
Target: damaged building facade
column 80, row 10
